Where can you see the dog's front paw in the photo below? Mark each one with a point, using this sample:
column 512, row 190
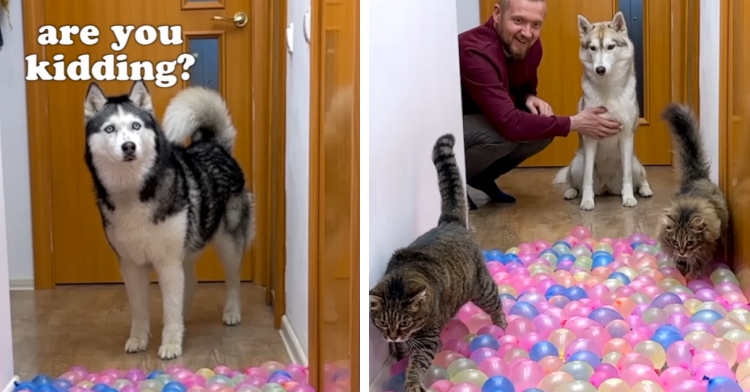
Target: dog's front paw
column 570, row 194
column 645, row 191
column 136, row 344
column 587, row 204
column 232, row 316
column 629, row 201
column 170, row 350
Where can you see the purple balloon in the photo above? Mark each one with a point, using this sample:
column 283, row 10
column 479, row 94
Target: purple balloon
column 664, row 299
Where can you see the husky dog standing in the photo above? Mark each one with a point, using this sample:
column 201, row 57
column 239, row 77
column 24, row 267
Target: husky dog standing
column 607, row 165
column 162, row 202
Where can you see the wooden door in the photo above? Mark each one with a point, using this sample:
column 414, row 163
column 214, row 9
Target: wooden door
column 560, row 70
column 70, row 245
column 334, row 196
column 735, row 123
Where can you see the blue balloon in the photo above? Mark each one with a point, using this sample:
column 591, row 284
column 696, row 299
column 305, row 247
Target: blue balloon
column 42, row 379
column 524, row 309
column 25, row 385
column 494, row 255
column 543, row 349
column 62, row 384
column 396, row 383
column 482, row 341
column 555, row 289
column 176, row 386
column 509, row 258
column 561, row 243
column 154, row 374
column 707, row 316
column 604, row 316
column 601, row 260
column 533, row 390
column 620, row 276
column 46, row 388
column 498, row 384
column 566, row 256
column 585, row 356
column 576, row 293
column 100, row 387
column 635, row 245
column 723, row 384
column 665, row 337
column 506, row 296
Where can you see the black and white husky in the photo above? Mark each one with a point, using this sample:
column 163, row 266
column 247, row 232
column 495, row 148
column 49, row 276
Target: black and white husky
column 162, row 200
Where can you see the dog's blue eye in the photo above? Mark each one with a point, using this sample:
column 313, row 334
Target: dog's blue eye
column 136, row 126
column 109, row 129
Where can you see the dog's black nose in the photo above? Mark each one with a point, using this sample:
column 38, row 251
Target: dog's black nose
column 601, row 70
column 128, row 148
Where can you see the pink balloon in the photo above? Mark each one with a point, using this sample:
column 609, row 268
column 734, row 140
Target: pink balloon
column 743, row 351
column 454, row 329
column 545, row 324
column 680, row 354
column 528, row 340
column 492, row 330
column 442, row 385
column 690, row 386
column 477, row 321
column 672, row 377
column 582, row 344
column 526, row 374
column 637, row 372
column 494, row 366
column 633, row 358
column 634, row 337
column 597, row 378
column 596, row 333
column 709, row 356
column 712, row 369
column 520, row 327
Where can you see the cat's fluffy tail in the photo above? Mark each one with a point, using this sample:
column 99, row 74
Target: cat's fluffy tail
column 694, row 163
column 452, row 193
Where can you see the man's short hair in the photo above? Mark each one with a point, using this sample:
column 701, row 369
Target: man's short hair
column 505, row 4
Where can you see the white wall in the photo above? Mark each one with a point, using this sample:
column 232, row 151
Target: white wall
column 415, row 97
column 467, row 14
column 6, row 330
column 297, row 173
column 15, row 148
column 709, row 80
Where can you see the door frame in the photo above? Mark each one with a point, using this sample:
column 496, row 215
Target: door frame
column 315, row 219
column 265, row 155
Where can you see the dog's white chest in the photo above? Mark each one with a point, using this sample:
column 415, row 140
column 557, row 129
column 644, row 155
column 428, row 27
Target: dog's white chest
column 137, row 239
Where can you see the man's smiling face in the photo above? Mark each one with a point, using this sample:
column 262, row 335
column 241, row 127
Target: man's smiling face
column 519, row 25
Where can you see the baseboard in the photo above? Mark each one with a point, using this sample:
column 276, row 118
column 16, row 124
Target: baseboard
column 292, row 344
column 21, row 284
column 11, row 384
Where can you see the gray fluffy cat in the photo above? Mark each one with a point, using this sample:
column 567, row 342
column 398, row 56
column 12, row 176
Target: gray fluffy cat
column 697, row 217
column 427, row 282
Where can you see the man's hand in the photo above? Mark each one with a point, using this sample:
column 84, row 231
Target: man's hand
column 589, row 123
column 537, row 106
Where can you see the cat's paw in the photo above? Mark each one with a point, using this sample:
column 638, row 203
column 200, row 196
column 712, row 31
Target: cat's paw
column 587, row 204
column 629, row 201
column 570, row 194
column 417, row 387
column 645, row 191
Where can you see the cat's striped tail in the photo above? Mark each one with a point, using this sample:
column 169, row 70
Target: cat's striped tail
column 694, row 163
column 453, row 208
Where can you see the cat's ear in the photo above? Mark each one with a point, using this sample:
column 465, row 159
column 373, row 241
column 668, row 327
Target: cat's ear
column 697, row 223
column 375, row 302
column 666, row 223
column 417, row 300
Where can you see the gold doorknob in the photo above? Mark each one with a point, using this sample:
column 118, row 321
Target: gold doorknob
column 239, row 19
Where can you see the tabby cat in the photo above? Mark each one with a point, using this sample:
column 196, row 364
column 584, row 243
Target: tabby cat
column 427, row 282
column 697, row 217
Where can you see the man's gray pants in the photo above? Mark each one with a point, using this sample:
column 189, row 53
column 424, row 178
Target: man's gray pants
column 489, row 155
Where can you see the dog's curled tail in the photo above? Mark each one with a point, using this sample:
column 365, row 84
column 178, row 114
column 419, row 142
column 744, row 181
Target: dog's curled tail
column 683, row 125
column 453, row 198
column 199, row 113
column 562, row 176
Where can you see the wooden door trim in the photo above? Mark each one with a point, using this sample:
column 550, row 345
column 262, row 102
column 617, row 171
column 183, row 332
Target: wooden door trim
column 354, row 332
column 314, row 223
column 40, row 170
column 725, row 90
column 40, row 165
column 278, row 146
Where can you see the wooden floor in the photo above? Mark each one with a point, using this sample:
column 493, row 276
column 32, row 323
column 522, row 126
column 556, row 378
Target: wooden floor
column 88, row 325
column 540, row 212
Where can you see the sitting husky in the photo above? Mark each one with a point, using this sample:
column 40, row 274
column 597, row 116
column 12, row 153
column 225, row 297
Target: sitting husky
column 608, row 165
column 162, row 202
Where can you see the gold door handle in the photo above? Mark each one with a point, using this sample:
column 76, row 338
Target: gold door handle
column 239, row 19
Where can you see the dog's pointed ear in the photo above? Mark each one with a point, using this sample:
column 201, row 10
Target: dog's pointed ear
column 584, row 26
column 618, row 23
column 94, row 101
column 140, row 96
